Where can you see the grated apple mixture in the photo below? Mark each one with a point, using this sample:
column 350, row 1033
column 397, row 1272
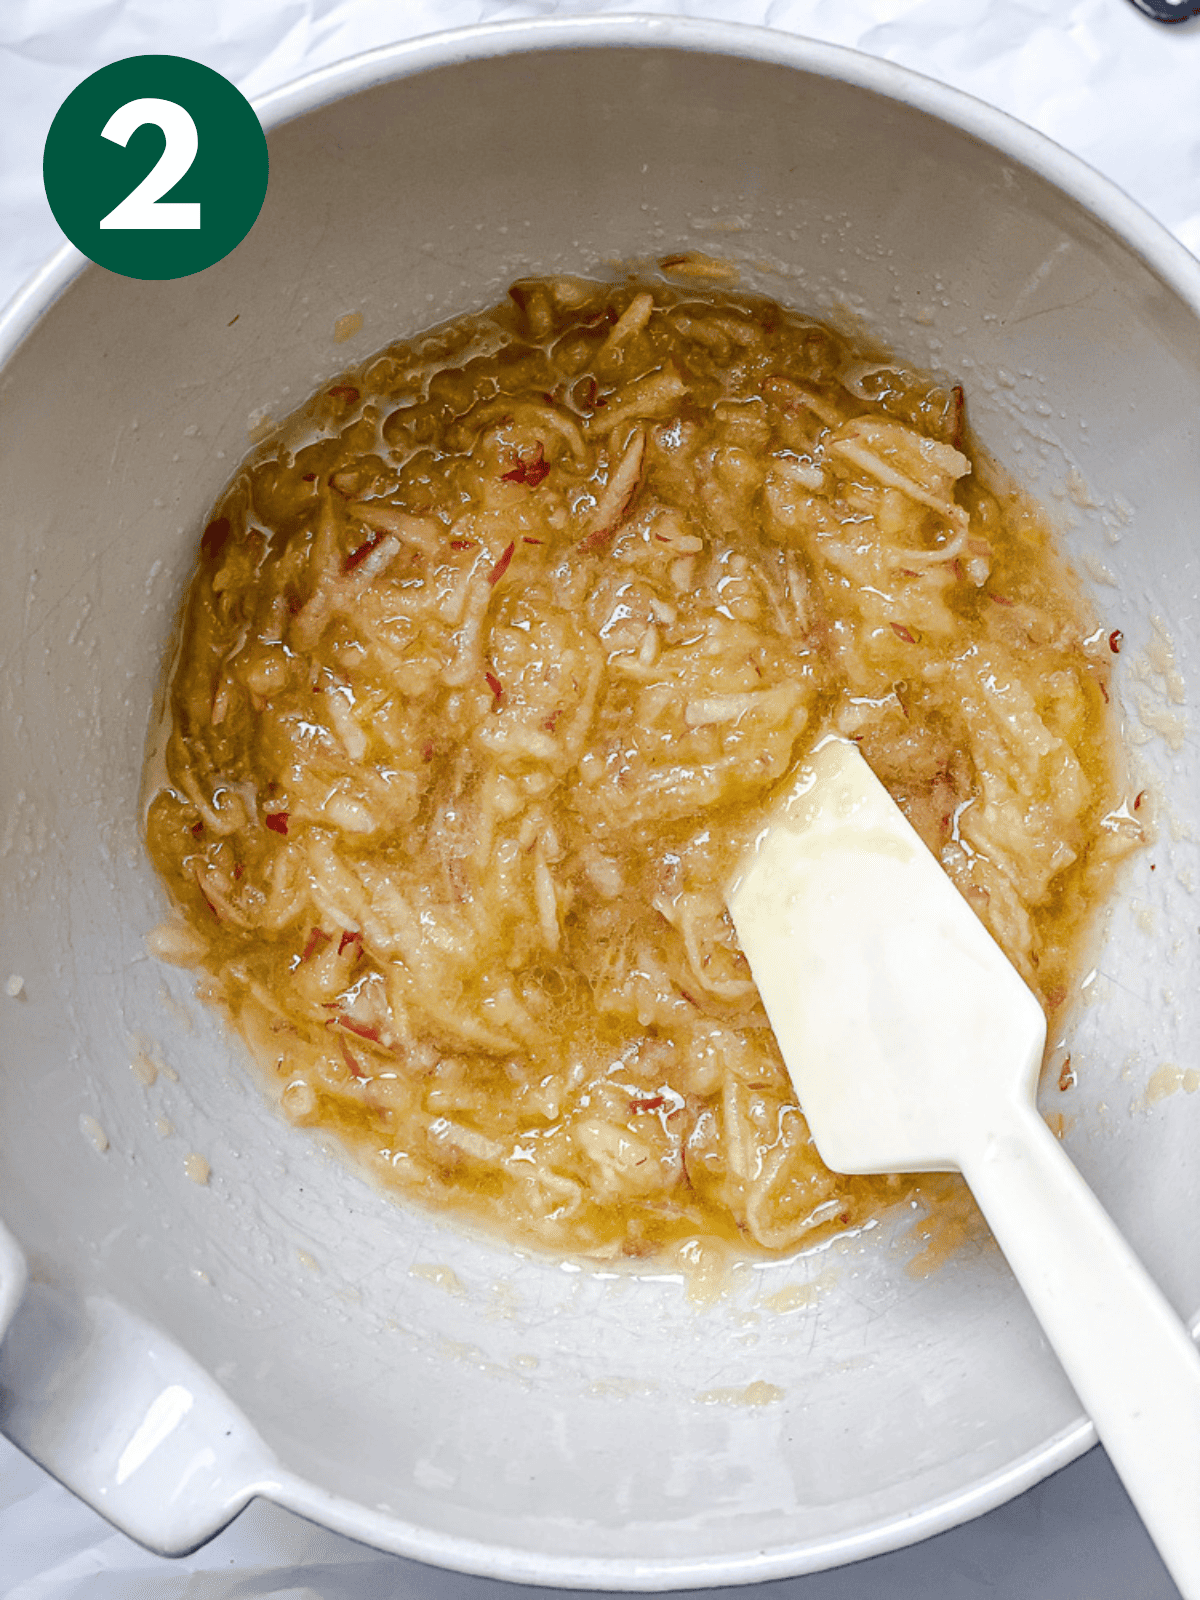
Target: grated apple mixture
column 493, row 654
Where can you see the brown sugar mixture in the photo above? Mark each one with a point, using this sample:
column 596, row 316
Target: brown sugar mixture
column 493, row 654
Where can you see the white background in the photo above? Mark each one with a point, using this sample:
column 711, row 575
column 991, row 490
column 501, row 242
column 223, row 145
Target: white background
column 1115, row 88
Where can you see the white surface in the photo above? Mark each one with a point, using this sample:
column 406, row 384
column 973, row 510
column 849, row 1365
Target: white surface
column 1106, row 83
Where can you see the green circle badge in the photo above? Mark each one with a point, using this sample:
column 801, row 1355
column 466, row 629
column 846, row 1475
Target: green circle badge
column 155, row 167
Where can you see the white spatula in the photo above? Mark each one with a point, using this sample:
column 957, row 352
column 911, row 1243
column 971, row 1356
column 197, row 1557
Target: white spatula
column 914, row 1045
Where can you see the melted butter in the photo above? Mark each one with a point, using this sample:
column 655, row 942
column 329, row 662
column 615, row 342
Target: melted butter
column 758, row 1393
column 444, row 1277
column 143, row 1069
column 93, row 1133
column 794, row 1298
column 1170, row 1079
column 950, row 1220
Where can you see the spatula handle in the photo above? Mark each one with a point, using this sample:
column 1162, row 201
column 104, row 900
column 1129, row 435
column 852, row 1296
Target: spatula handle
column 1127, row 1354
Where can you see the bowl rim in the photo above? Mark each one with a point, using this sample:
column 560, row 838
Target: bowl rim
column 1151, row 242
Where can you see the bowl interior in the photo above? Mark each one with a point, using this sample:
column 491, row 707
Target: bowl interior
column 502, row 1412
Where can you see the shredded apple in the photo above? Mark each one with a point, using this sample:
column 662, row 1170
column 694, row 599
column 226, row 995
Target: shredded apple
column 494, row 653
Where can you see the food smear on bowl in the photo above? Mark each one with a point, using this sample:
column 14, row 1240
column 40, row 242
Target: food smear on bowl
column 494, row 654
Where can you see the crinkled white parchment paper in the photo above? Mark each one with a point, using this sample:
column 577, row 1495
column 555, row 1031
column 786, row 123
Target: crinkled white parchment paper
column 1114, row 88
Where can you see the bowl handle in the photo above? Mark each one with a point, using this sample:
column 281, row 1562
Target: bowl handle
column 125, row 1418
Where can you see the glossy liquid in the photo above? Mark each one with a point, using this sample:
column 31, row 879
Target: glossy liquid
column 492, row 656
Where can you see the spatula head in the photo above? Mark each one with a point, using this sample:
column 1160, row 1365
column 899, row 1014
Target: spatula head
column 902, row 1023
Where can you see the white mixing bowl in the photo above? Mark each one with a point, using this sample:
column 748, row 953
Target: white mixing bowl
column 286, row 1331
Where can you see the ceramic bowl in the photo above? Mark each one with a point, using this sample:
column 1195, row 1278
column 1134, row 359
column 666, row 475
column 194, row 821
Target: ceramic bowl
column 174, row 1348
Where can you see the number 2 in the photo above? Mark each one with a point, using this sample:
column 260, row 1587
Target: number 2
column 144, row 207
